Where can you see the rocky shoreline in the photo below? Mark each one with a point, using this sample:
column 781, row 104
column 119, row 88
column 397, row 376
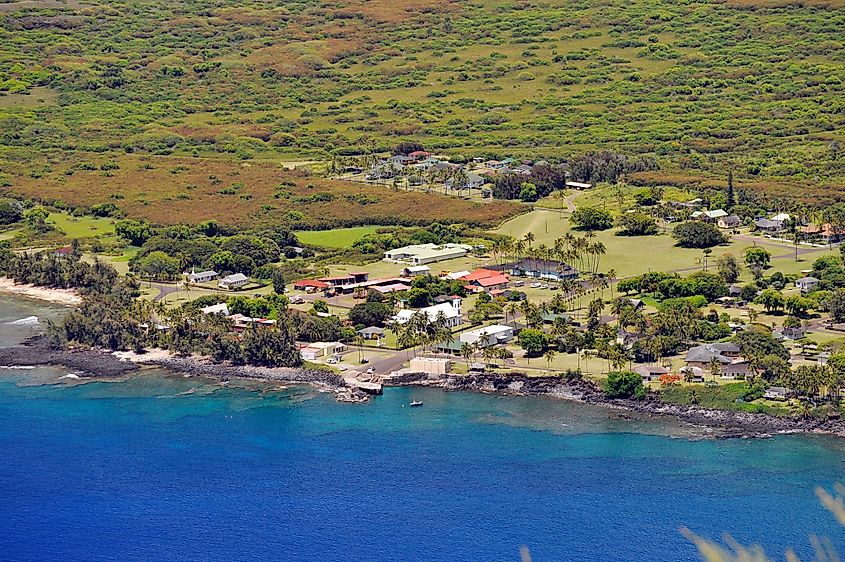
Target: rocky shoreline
column 726, row 423
column 94, row 363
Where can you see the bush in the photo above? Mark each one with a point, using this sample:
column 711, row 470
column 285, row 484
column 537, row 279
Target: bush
column 592, row 218
column 624, row 384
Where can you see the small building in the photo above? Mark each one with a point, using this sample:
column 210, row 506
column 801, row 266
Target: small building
column 319, row 350
column 806, row 284
column 486, row 280
column 456, row 274
column 777, row 393
column 552, row 317
column 221, row 308
column 650, row 372
column 64, row 252
column 825, row 233
column 371, row 333
column 418, row 155
column 496, row 334
column 234, row 281
column 793, row 334
column 578, row 185
column 730, row 221
column 430, row 365
column 416, row 270
column 202, row 276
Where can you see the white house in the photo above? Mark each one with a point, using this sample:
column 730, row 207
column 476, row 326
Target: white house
column 233, row 281
column 578, row 185
column 202, row 276
column 451, row 312
column 710, row 216
column 487, row 336
column 216, row 309
column 806, row 284
column 321, row 349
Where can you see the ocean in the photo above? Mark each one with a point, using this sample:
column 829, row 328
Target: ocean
column 157, row 467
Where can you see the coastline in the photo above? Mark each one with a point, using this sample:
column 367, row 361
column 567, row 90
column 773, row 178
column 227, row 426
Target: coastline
column 66, row 297
column 94, row 364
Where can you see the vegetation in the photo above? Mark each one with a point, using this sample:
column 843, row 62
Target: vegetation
column 698, row 234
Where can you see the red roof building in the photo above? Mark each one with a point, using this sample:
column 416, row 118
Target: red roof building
column 485, row 280
column 305, row 284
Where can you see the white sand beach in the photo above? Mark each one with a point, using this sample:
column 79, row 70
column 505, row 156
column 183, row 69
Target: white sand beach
column 67, row 297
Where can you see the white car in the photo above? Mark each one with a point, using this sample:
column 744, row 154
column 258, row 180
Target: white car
column 535, row 285
column 371, row 370
column 296, row 299
column 342, row 367
column 331, row 360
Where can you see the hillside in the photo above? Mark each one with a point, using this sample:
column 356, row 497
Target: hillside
column 754, row 85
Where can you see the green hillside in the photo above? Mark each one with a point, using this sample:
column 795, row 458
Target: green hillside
column 754, row 85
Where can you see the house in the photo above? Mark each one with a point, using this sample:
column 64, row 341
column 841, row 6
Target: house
column 551, row 317
column 730, row 221
column 415, row 270
column 418, row 155
column 386, row 286
column 540, row 269
column 806, row 284
column 450, row 312
column 318, row 350
column 234, row 281
column 694, row 374
column 472, row 181
column 486, row 280
column 737, row 369
column 202, row 276
column 64, row 251
column 578, row 185
column 346, row 283
column 691, row 204
column 710, row 216
column 221, row 308
column 421, row 254
column 650, row 372
column 371, row 333
column 768, row 225
column 777, row 393
column 487, row 336
column 310, row 285
column 430, row 365
column 781, row 217
column 793, row 333
column 825, row 233
column 523, row 170
column 452, row 347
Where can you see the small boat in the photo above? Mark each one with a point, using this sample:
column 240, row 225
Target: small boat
column 416, row 403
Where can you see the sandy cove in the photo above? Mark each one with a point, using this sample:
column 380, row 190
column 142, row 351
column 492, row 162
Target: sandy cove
column 67, row 297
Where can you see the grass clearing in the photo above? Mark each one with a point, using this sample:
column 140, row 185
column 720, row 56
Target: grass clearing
column 336, row 237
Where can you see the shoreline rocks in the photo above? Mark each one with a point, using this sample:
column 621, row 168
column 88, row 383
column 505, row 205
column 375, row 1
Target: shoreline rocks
column 729, row 423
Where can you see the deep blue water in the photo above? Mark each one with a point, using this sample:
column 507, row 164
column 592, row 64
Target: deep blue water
column 158, row 468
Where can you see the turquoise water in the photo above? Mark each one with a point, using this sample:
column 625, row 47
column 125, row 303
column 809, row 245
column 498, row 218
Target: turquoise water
column 161, row 467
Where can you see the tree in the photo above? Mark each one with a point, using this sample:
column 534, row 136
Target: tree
column 278, row 279
column 370, row 314
column 321, row 306
column 418, row 298
column 836, row 305
column 757, row 257
column 797, row 305
column 771, row 299
column 271, row 347
column 636, row 224
column 11, row 211
column 728, row 268
column 624, row 384
column 759, row 342
column 698, row 234
column 532, row 341
column 528, row 192
column 592, row 218
column 158, row 265
column 549, row 356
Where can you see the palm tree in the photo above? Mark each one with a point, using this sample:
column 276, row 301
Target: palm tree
column 466, row 352
column 549, row 356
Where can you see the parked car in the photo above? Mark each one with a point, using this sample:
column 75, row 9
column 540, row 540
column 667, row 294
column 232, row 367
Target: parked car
column 332, row 360
column 535, row 285
column 371, row 370
column 296, row 299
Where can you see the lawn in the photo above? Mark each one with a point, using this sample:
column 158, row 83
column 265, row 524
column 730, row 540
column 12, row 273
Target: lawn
column 335, row 238
column 632, row 255
column 82, row 227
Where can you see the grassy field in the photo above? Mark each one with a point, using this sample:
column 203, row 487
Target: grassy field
column 335, row 238
column 82, row 227
column 632, row 255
